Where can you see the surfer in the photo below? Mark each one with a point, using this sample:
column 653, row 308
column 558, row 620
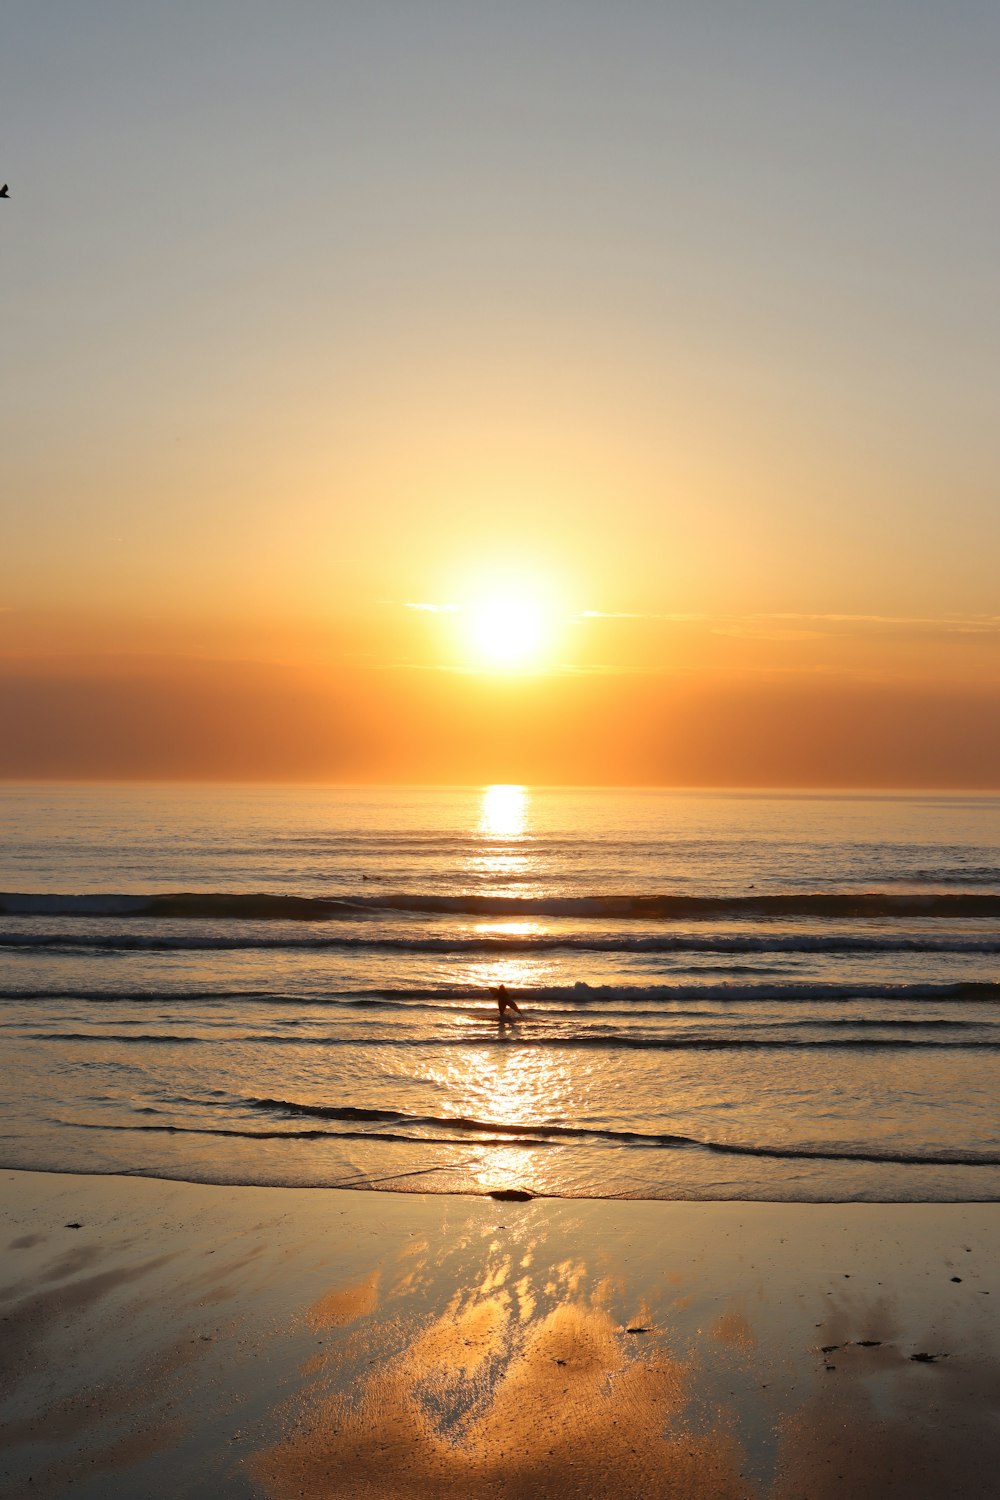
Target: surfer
column 504, row 1002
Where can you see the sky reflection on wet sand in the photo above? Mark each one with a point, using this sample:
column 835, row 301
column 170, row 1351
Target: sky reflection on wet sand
column 527, row 1383
column 686, row 1357
column 347, row 1344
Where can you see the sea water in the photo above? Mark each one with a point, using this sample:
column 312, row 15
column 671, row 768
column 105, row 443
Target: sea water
column 723, row 996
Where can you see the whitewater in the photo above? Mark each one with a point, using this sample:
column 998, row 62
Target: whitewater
column 724, row 996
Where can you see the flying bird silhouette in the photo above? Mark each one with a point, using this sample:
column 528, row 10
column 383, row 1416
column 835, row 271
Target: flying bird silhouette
column 3, row 192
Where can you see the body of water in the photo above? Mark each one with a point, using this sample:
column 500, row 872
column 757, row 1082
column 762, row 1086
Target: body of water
column 723, row 996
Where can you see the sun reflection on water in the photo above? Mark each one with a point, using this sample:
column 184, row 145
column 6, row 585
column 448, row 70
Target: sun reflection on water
column 503, row 857
column 503, row 812
column 509, row 1086
column 516, row 1090
column 518, row 928
column 519, row 974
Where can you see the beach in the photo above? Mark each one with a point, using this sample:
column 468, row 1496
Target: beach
column 177, row 1339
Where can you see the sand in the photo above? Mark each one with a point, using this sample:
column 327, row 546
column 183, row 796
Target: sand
column 211, row 1341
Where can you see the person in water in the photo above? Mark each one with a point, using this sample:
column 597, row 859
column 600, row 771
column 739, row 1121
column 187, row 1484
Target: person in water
column 504, row 1002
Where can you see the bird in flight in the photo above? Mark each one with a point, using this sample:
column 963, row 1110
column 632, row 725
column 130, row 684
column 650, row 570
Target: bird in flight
column 3, row 192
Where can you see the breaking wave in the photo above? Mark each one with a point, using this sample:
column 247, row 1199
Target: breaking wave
column 808, row 991
column 263, row 907
column 499, row 944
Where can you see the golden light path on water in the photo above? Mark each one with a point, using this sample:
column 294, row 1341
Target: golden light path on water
column 502, row 858
column 511, row 1085
column 503, row 812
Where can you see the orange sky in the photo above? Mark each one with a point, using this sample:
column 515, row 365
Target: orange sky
column 752, row 701
column 681, row 322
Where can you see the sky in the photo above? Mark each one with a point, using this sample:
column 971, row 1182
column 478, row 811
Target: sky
column 434, row 391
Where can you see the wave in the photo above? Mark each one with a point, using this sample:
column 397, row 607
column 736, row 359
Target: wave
column 459, row 1130
column 807, row 990
column 134, row 1036
column 948, row 875
column 263, row 907
column 578, row 994
column 510, row 943
column 572, row 1041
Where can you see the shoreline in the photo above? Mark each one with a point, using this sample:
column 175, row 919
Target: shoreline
column 194, row 1339
column 504, row 1192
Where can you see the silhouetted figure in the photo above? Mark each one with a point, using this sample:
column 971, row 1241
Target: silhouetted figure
column 504, row 1002
column 3, row 192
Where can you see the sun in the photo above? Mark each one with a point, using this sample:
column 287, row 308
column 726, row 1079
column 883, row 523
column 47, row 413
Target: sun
column 507, row 631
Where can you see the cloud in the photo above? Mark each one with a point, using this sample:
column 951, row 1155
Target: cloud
column 616, row 614
column 813, row 625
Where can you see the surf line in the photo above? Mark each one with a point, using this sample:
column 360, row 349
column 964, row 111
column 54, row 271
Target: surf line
column 360, row 1180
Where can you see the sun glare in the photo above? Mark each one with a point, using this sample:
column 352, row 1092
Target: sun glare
column 507, row 632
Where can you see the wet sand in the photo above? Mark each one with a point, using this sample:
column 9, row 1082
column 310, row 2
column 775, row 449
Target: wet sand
column 235, row 1342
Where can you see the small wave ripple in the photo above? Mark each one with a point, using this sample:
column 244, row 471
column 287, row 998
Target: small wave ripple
column 452, row 1130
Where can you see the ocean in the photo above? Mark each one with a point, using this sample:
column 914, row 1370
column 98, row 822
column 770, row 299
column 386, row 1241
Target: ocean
column 779, row 997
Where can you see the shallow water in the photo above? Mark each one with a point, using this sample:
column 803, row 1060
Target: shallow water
column 724, row 997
